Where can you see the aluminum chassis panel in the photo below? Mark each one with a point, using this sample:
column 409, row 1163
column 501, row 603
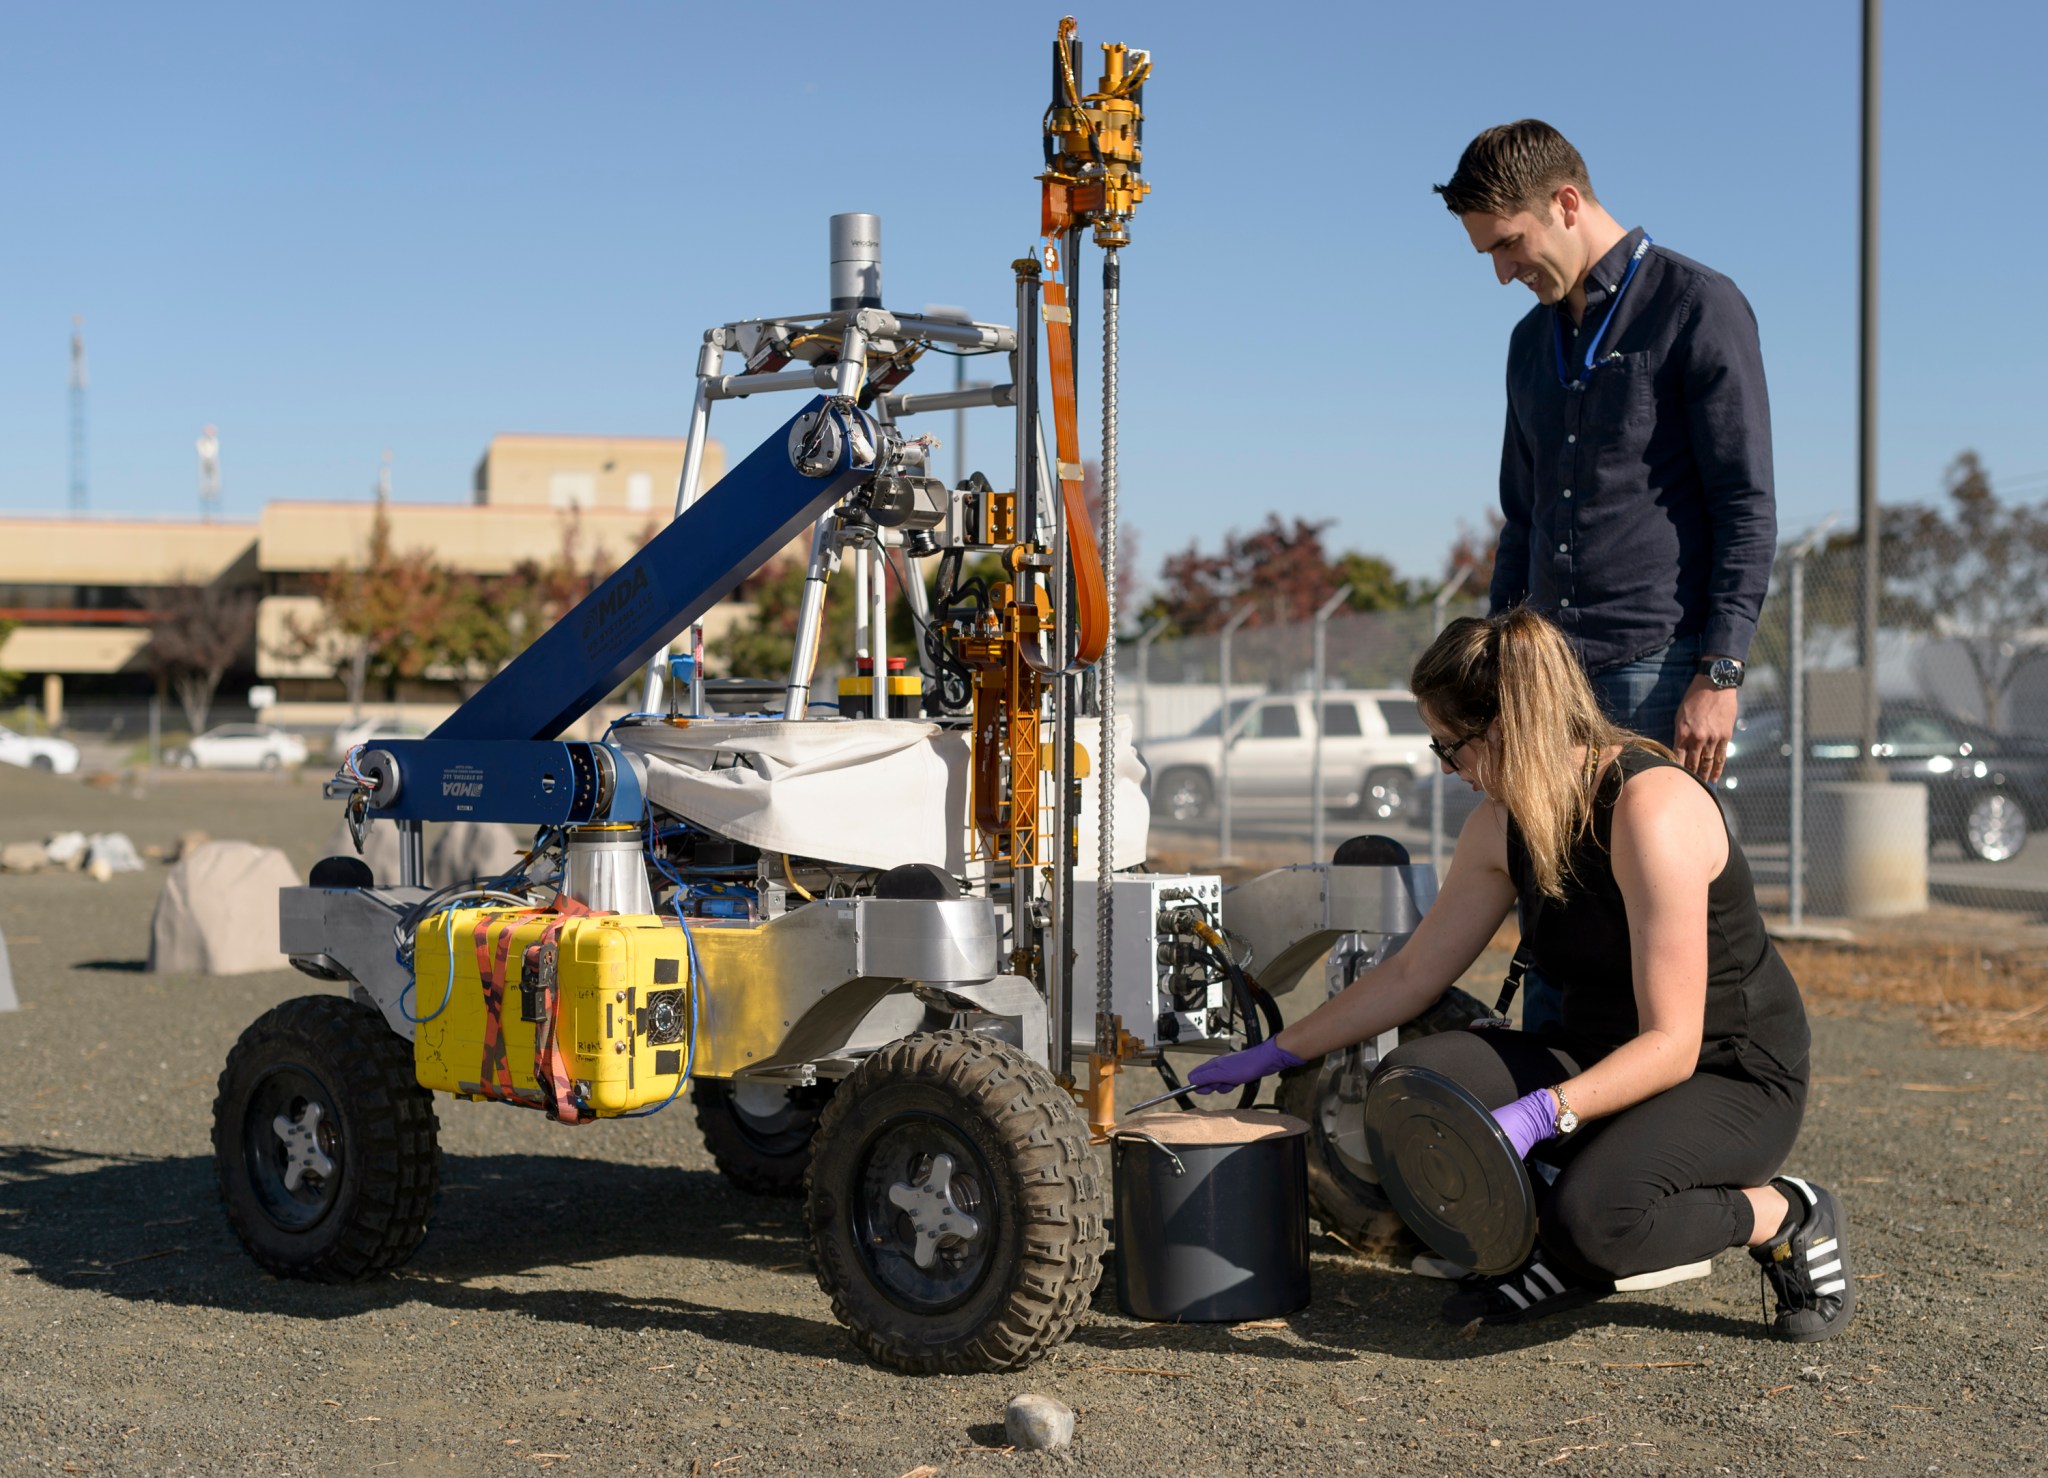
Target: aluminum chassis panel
column 1291, row 916
column 794, row 990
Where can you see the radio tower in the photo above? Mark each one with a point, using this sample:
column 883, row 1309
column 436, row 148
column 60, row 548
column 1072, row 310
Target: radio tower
column 78, row 415
column 209, row 473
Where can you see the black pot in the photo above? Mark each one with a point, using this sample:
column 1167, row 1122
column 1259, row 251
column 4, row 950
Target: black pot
column 1211, row 1215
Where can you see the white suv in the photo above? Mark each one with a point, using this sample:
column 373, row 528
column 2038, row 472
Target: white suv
column 1375, row 747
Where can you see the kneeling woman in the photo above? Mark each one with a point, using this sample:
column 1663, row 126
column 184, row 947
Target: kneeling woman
column 1673, row 1090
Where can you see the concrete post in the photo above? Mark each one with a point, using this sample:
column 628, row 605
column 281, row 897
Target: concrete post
column 1879, row 870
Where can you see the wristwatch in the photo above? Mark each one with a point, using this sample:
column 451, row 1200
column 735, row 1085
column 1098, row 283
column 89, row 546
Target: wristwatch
column 1567, row 1117
column 1722, row 672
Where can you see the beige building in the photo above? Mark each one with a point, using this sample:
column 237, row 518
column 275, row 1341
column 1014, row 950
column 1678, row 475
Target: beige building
column 76, row 589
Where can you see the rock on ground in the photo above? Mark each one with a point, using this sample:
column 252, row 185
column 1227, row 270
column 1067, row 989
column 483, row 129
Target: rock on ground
column 1038, row 1423
column 217, row 914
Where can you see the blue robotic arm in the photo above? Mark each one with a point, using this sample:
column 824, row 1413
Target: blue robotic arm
column 496, row 758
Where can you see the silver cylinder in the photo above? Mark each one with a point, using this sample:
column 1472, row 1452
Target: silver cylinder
column 856, row 261
column 606, row 869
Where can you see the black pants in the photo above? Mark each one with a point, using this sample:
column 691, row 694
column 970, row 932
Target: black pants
column 1654, row 1186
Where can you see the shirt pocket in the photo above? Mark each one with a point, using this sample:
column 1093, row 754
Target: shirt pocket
column 1618, row 397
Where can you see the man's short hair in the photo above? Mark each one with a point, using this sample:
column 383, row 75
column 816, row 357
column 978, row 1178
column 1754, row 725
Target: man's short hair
column 1512, row 168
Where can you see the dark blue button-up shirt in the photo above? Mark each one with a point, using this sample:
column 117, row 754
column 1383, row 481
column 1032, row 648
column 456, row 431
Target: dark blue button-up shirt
column 1640, row 508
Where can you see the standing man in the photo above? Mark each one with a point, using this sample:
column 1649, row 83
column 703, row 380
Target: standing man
column 1635, row 473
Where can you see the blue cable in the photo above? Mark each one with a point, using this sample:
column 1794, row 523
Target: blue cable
column 412, row 977
column 696, row 971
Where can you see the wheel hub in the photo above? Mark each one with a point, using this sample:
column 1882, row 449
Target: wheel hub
column 1340, row 1108
column 301, row 1136
column 933, row 1214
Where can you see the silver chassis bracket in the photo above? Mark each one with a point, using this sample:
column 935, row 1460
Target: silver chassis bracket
column 344, row 934
column 801, row 988
column 1291, row 916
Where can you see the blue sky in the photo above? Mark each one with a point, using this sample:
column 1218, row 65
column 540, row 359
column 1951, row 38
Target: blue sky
column 336, row 231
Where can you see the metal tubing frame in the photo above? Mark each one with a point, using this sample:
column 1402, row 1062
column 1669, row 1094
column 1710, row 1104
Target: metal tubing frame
column 803, row 656
column 736, row 387
column 710, row 360
column 1051, row 949
column 878, row 627
column 951, row 400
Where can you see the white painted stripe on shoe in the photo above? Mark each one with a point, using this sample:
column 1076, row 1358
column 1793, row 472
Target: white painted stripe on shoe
column 1517, row 1299
column 1537, row 1270
column 1804, row 1189
column 1835, row 1287
column 1664, row 1277
column 1833, row 1267
column 1820, row 1249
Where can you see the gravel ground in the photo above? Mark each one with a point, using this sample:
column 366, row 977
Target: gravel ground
column 601, row 1302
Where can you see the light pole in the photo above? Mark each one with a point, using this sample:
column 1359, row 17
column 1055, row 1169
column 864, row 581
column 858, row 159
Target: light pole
column 1795, row 851
column 1145, row 640
column 1319, row 681
column 1437, row 603
column 1223, row 735
column 1868, row 767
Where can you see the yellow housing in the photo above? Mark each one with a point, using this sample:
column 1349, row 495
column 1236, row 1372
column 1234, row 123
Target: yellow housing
column 623, row 1007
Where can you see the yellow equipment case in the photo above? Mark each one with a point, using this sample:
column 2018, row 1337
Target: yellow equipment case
column 584, row 1016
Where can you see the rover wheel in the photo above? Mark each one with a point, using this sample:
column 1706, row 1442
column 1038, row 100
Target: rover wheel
column 1995, row 827
column 1387, row 795
column 956, row 1211
column 760, row 1133
column 1329, row 1096
column 324, row 1142
column 1186, row 795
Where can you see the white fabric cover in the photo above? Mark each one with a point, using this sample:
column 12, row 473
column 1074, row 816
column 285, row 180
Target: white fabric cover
column 217, row 914
column 864, row 792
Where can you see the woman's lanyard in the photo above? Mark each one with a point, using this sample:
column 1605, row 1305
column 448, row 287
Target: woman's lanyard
column 1557, row 325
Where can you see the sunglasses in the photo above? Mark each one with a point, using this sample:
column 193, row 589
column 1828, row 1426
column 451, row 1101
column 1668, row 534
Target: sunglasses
column 1448, row 752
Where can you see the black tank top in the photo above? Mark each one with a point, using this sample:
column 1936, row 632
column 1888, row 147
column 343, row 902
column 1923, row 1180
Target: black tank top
column 1581, row 944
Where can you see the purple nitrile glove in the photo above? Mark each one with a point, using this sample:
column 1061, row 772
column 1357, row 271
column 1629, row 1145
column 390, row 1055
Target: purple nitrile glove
column 1528, row 1121
column 1239, row 1068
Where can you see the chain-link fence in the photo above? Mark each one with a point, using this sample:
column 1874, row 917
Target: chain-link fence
column 1961, row 748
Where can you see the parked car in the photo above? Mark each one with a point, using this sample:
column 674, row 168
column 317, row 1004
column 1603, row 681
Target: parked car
column 348, row 736
column 57, row 755
column 1985, row 790
column 243, row 747
column 1375, row 749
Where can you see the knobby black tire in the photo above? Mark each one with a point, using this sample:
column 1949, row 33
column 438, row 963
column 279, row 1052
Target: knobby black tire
column 759, row 1165
column 1048, row 1215
column 388, row 1131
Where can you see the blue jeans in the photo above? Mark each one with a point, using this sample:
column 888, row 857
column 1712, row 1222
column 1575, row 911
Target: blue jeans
column 1642, row 695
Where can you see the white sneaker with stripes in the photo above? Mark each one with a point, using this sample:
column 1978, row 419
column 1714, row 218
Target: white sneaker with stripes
column 1808, row 1267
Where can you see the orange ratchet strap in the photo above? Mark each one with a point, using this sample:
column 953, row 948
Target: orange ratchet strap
column 1091, row 592
column 550, row 1068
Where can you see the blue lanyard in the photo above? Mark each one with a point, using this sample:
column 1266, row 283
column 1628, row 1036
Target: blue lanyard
column 1557, row 325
